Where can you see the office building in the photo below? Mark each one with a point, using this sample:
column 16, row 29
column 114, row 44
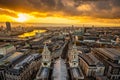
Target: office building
column 6, row 48
column 8, row 61
column 25, row 69
column 91, row 66
column 110, row 57
column 8, row 26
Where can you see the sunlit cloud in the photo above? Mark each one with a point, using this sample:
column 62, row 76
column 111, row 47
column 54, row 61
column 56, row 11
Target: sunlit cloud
column 61, row 11
column 4, row 18
column 85, row 7
column 7, row 10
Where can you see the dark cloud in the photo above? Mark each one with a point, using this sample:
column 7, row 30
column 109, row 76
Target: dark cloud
column 115, row 3
column 92, row 8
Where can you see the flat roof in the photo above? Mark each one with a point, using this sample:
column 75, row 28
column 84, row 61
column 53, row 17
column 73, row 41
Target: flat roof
column 88, row 60
column 113, row 64
column 10, row 58
column 2, row 43
column 28, row 59
column 101, row 78
column 97, row 62
column 37, row 39
column 110, row 52
column 6, row 45
column 22, row 63
column 14, row 56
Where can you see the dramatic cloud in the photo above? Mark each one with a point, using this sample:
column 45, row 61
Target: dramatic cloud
column 8, row 12
column 109, row 9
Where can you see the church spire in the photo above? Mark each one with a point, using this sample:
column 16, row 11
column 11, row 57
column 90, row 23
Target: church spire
column 46, row 57
column 74, row 46
column 46, row 50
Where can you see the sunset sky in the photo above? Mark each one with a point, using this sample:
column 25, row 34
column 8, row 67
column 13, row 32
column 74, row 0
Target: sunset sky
column 61, row 11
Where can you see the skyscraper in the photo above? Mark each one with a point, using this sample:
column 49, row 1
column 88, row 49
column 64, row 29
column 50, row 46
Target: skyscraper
column 8, row 26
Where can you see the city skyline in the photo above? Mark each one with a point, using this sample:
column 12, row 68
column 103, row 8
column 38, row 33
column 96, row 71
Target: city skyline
column 61, row 11
column 59, row 39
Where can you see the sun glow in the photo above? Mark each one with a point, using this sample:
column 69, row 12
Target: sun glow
column 21, row 18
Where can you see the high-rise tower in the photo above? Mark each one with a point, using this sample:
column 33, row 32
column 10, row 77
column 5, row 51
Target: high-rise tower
column 8, row 26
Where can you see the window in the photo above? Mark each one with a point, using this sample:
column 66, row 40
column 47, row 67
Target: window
column 74, row 56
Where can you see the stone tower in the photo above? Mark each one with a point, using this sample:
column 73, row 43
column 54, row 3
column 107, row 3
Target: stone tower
column 73, row 56
column 46, row 57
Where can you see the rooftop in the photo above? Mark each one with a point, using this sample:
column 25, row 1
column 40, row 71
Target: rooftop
column 6, row 45
column 11, row 58
column 88, row 60
column 28, row 59
column 101, row 78
column 112, row 53
column 23, row 63
column 97, row 62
